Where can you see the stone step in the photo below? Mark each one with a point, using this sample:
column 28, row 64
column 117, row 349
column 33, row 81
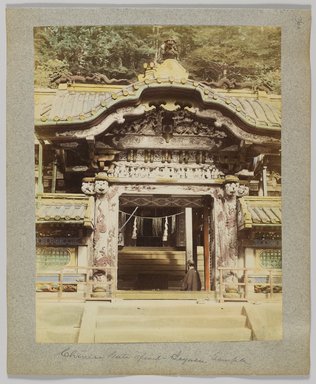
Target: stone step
column 57, row 335
column 177, row 334
column 170, row 294
column 46, row 314
column 157, row 322
column 168, row 310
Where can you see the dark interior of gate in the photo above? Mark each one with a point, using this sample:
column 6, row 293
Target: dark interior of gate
column 155, row 242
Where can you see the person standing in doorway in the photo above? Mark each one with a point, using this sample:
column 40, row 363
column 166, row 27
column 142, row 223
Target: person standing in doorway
column 191, row 281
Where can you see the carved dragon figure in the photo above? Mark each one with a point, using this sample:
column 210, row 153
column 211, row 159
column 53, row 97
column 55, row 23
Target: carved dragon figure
column 96, row 78
column 232, row 83
column 62, row 78
column 99, row 78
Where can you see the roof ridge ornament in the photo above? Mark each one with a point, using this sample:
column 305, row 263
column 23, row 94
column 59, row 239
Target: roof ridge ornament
column 168, row 50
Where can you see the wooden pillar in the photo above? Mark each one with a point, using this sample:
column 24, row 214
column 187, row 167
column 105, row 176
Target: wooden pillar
column 206, row 248
column 188, row 234
column 264, row 181
column 40, row 188
column 54, row 177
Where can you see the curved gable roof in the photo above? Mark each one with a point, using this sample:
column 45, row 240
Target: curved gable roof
column 66, row 107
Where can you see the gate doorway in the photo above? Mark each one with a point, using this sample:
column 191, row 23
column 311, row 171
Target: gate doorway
column 158, row 234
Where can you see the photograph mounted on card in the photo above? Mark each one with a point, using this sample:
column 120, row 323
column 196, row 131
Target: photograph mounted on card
column 164, row 191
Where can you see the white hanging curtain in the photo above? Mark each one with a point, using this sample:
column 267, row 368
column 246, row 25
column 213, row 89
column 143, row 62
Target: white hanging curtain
column 121, row 239
column 134, row 235
column 165, row 232
column 156, row 226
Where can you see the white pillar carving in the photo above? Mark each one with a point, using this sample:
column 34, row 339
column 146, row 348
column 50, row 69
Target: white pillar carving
column 112, row 219
column 225, row 211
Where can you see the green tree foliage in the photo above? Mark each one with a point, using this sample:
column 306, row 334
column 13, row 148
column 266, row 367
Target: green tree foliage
column 247, row 53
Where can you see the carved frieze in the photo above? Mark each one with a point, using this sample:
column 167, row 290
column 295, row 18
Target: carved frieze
column 158, row 170
column 149, row 124
column 169, row 156
column 183, row 123
column 181, row 142
column 116, row 117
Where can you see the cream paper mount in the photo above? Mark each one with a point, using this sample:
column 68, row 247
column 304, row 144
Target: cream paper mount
column 289, row 356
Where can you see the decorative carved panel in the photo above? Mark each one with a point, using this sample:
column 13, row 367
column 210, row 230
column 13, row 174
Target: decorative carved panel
column 157, row 201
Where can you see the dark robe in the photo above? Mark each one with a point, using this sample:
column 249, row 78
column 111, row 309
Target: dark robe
column 192, row 281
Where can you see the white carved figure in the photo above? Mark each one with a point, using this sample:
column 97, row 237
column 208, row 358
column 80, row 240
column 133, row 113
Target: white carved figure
column 137, row 172
column 88, row 188
column 143, row 173
column 170, row 172
column 111, row 170
column 198, row 173
column 231, row 189
column 119, row 117
column 243, row 190
column 190, row 174
column 273, row 178
column 161, row 172
column 155, row 172
column 101, row 187
column 121, row 170
column 129, row 171
column 181, row 173
column 208, row 173
column 116, row 172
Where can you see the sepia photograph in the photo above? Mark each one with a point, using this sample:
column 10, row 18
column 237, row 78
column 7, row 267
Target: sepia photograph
column 158, row 184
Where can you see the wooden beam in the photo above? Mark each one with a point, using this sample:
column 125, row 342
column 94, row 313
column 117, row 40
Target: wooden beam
column 206, row 248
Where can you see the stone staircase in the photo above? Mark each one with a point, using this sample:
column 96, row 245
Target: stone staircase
column 150, row 268
column 150, row 321
column 58, row 322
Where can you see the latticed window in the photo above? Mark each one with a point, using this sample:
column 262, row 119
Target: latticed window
column 271, row 258
column 49, row 257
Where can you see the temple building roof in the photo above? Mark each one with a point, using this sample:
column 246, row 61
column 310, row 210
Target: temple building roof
column 83, row 103
column 259, row 211
column 64, row 208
